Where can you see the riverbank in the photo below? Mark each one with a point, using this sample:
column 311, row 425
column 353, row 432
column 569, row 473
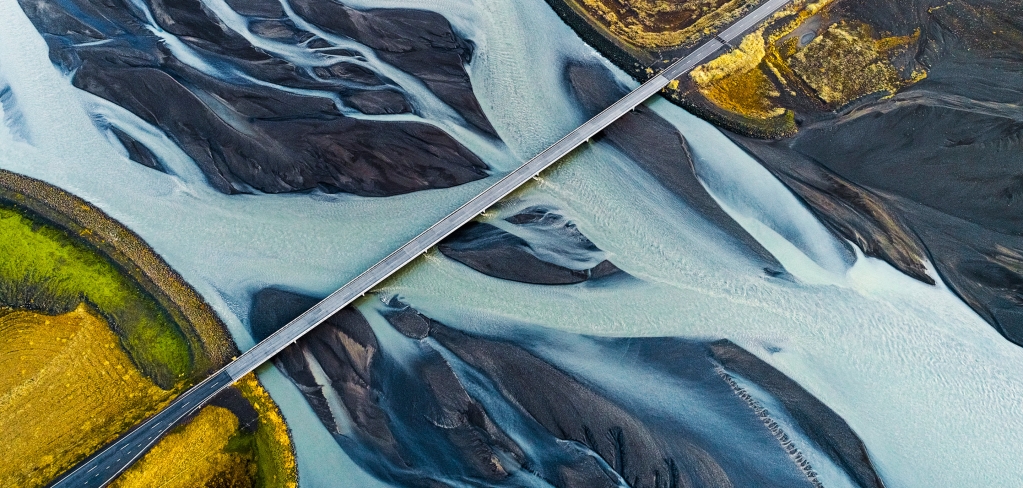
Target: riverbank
column 97, row 333
column 206, row 335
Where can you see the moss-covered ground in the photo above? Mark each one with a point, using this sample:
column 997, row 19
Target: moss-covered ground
column 214, row 449
column 66, row 389
column 97, row 333
column 45, row 270
column 808, row 61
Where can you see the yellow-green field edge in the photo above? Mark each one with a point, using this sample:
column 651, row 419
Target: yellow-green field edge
column 77, row 224
column 209, row 345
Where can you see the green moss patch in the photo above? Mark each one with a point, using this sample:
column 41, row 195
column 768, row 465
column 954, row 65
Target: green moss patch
column 44, row 269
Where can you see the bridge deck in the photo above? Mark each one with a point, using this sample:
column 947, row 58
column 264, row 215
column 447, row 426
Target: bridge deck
column 105, row 465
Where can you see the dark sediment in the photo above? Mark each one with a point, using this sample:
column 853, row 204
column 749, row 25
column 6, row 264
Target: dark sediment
column 244, row 124
column 272, row 308
column 435, row 405
column 468, row 443
column 850, row 211
column 233, row 400
column 983, row 267
column 495, row 252
column 418, row 42
column 658, row 148
column 137, row 151
column 821, row 424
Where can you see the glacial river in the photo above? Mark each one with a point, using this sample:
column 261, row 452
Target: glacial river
column 933, row 390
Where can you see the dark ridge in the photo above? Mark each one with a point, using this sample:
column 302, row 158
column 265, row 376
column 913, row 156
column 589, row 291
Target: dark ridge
column 658, row 148
column 440, row 411
column 981, row 266
column 821, row 424
column 232, row 399
column 847, row 209
column 247, row 136
column 379, row 102
column 497, row 253
column 350, row 72
column 408, row 321
column 137, row 151
column 501, row 254
column 257, row 8
column 273, row 308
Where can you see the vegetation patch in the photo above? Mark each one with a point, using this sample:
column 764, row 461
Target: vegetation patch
column 44, row 270
column 194, row 454
column 849, row 61
column 66, row 389
column 736, row 82
column 661, row 24
column 805, row 60
column 97, row 333
column 80, row 222
column 271, row 443
column 214, row 449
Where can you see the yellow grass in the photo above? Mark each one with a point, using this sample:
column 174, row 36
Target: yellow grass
column 844, row 62
column 211, row 450
column 66, row 388
column 847, row 62
column 745, row 57
column 661, row 24
column 748, row 93
column 735, row 81
column 193, row 456
column 275, row 456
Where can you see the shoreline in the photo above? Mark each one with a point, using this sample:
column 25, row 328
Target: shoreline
column 208, row 338
column 684, row 94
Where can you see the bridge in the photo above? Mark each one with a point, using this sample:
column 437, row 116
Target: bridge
column 102, row 467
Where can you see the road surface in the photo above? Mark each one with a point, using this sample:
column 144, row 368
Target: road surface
column 105, row 465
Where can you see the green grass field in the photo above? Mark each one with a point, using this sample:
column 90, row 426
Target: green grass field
column 43, row 269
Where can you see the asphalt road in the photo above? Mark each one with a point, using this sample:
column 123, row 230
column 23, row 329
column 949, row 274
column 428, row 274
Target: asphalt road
column 106, row 464
column 103, row 466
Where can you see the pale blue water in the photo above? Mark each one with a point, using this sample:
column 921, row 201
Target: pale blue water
column 932, row 390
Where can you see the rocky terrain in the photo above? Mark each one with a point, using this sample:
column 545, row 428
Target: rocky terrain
column 484, row 410
column 273, row 100
column 898, row 123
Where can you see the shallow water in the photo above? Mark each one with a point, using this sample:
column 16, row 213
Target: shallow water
column 931, row 389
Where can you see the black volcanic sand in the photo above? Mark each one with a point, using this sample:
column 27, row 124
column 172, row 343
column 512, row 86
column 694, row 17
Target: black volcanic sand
column 272, row 308
column 936, row 171
column 249, row 136
column 233, row 400
column 495, row 252
column 658, row 148
column 428, row 405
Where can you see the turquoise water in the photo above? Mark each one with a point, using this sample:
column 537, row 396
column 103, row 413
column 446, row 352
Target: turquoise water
column 932, row 390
